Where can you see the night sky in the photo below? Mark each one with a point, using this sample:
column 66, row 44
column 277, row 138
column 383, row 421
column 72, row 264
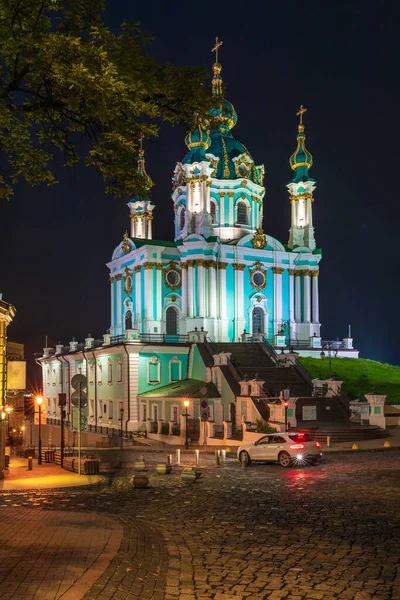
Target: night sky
column 339, row 59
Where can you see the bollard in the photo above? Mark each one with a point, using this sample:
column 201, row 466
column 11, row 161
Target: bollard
column 328, row 440
column 355, row 447
column 30, row 463
column 197, row 458
column 217, row 458
column 223, row 455
column 169, row 459
column 178, row 457
column 387, row 445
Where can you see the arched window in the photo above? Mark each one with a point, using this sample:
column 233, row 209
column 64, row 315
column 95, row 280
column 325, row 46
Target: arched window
column 182, row 216
column 258, row 320
column 241, row 213
column 213, row 212
column 171, row 318
column 128, row 320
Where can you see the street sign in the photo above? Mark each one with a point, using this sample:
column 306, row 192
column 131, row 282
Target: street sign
column 75, row 398
column 77, row 380
column 285, row 394
column 204, row 404
column 204, row 415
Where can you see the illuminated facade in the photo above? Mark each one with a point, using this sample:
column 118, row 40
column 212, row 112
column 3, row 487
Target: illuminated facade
column 222, row 272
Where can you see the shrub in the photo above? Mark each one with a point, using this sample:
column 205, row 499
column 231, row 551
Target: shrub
column 238, row 434
column 263, row 427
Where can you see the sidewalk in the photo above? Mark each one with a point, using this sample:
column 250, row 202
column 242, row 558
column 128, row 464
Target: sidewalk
column 45, row 476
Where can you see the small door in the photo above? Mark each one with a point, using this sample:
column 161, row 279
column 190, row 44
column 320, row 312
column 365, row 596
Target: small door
column 258, row 320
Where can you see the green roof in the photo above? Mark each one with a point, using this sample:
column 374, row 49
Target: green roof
column 185, row 388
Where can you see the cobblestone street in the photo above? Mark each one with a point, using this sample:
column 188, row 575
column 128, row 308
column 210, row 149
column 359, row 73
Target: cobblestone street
column 324, row 532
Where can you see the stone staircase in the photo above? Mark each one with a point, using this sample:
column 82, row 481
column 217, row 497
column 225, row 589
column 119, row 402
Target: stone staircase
column 253, row 359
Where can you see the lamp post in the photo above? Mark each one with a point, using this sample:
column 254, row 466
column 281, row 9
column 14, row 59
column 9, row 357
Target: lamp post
column 285, row 405
column 186, row 405
column 322, row 355
column 39, row 401
column 8, row 411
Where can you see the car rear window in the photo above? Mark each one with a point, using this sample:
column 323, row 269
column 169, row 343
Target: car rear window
column 300, row 437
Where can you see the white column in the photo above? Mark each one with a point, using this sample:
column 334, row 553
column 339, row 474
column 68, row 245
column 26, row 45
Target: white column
column 222, row 289
column 190, row 285
column 239, row 316
column 307, row 296
column 201, row 284
column 212, row 289
column 291, row 295
column 112, row 305
column 315, row 296
column 138, row 292
column 277, row 271
column 231, row 211
column 159, row 292
column 184, row 275
column 221, row 208
column 119, row 305
column 149, row 227
column 148, row 291
column 298, row 296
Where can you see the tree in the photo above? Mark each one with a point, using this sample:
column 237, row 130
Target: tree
column 65, row 76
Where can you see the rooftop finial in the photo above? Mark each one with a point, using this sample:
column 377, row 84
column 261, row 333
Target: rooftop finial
column 218, row 44
column 300, row 113
column 141, row 151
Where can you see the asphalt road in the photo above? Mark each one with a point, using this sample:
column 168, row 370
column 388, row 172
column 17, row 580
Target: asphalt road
column 324, row 532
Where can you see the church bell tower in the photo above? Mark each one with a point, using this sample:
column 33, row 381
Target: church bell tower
column 141, row 208
column 301, row 193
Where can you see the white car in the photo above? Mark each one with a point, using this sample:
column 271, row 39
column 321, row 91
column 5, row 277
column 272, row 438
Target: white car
column 286, row 448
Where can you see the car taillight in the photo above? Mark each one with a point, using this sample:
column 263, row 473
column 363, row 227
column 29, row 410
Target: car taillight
column 317, row 445
column 297, row 446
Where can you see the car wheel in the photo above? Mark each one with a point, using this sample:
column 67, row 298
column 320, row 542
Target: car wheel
column 284, row 459
column 245, row 458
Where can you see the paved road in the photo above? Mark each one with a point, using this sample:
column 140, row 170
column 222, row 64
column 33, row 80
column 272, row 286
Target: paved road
column 330, row 531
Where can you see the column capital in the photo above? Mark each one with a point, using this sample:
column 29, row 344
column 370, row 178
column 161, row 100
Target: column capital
column 231, row 194
column 148, row 266
column 297, row 273
column 306, row 273
column 221, row 194
column 210, row 264
column 138, row 268
column 292, row 272
column 238, row 267
column 200, row 262
column 118, row 277
column 315, row 273
column 184, row 266
column 159, row 266
column 222, row 265
column 190, row 263
column 111, row 279
column 277, row 270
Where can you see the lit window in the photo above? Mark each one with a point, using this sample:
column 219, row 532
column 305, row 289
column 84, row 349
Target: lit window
column 241, row 213
column 109, row 371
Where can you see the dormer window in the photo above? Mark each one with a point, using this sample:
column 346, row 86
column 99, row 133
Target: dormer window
column 243, row 170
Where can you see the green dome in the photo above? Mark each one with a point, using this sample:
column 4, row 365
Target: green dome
column 223, row 114
column 198, row 138
column 225, row 147
column 301, row 158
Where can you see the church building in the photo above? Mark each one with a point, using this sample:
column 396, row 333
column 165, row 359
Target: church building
column 201, row 316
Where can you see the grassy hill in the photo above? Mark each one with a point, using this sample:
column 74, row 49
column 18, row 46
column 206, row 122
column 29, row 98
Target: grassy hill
column 359, row 376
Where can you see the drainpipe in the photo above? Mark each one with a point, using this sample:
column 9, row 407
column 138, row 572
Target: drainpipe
column 129, row 392
column 95, row 388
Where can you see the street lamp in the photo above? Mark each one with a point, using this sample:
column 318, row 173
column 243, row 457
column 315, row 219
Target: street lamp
column 8, row 411
column 186, row 405
column 39, row 401
column 322, row 356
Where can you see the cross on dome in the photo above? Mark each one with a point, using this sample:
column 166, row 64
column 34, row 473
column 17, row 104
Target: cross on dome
column 218, row 44
column 300, row 113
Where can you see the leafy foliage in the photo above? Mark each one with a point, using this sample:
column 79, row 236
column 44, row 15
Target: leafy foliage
column 263, row 427
column 360, row 376
column 64, row 77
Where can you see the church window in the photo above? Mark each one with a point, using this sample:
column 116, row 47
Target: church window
column 153, row 373
column 128, row 284
column 173, row 278
column 109, row 370
column 119, row 371
column 241, row 213
column 258, row 320
column 182, row 216
column 128, row 320
column 243, row 170
column 175, row 367
column 171, row 321
column 213, row 212
column 258, row 280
